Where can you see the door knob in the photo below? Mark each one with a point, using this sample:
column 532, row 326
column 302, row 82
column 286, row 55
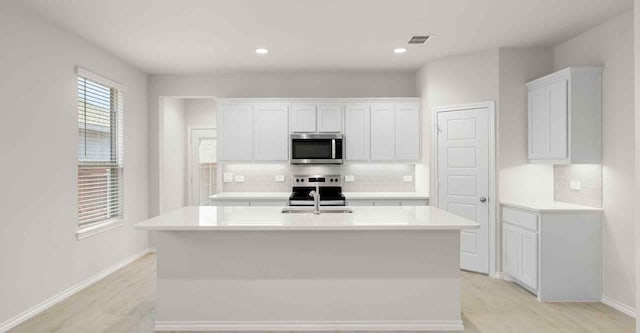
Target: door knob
column 483, row 199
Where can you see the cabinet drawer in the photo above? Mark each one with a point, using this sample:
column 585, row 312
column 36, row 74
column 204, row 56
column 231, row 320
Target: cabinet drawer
column 520, row 218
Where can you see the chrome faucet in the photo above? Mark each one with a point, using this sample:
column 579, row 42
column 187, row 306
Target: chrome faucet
column 316, row 201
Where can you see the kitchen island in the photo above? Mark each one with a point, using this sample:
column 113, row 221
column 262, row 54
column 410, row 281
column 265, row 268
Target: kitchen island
column 255, row 268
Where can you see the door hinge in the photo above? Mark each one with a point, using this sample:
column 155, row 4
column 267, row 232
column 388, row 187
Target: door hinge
column 438, row 130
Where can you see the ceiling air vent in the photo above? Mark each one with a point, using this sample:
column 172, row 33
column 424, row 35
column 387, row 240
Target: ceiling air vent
column 418, row 39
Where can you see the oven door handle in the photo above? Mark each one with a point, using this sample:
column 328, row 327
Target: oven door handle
column 333, row 149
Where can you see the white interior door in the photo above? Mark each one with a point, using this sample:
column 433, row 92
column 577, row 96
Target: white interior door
column 202, row 166
column 463, row 178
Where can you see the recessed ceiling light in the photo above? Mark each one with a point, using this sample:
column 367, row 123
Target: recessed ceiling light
column 399, row 50
column 262, row 51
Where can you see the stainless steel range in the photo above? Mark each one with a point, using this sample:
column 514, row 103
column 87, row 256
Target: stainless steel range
column 329, row 188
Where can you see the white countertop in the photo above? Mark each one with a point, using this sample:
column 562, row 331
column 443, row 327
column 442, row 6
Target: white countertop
column 550, row 206
column 272, row 218
column 384, row 195
column 257, row 196
column 253, row 196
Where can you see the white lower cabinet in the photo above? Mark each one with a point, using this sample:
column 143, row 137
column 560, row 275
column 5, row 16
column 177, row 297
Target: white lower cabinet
column 555, row 255
column 521, row 254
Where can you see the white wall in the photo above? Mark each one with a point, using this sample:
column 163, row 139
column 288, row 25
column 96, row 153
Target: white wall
column 265, row 84
column 39, row 253
column 173, row 147
column 611, row 45
column 518, row 180
column 462, row 79
column 494, row 75
column 636, row 217
column 200, row 112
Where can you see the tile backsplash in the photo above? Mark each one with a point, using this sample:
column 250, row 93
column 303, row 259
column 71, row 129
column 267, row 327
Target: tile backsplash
column 366, row 177
column 578, row 184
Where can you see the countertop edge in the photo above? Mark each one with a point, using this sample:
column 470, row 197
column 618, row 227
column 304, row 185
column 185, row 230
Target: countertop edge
column 348, row 196
column 524, row 206
column 311, row 228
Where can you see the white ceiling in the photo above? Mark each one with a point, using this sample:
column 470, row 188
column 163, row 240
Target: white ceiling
column 189, row 36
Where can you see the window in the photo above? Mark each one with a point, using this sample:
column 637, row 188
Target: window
column 100, row 151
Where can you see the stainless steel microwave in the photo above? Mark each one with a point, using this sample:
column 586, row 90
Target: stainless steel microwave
column 316, row 148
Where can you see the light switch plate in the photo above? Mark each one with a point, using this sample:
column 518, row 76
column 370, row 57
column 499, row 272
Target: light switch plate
column 227, row 177
column 279, row 179
column 575, row 185
column 407, row 179
column 349, row 178
column 239, row 179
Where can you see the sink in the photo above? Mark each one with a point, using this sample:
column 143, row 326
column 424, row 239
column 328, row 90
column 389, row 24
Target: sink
column 306, row 210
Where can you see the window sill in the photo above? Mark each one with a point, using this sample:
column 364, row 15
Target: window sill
column 88, row 231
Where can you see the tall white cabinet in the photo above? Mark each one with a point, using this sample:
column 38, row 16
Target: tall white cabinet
column 564, row 117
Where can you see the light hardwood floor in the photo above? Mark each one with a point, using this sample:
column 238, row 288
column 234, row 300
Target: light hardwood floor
column 125, row 302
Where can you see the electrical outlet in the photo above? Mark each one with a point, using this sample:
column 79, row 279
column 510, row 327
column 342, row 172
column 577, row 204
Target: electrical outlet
column 227, row 177
column 239, row 179
column 279, row 179
column 407, row 179
column 349, row 178
column 575, row 185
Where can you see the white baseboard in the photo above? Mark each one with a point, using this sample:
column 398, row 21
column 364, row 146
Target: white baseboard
column 436, row 325
column 29, row 313
column 629, row 311
column 499, row 275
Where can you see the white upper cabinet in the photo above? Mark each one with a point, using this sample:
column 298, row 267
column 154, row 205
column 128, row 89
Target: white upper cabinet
column 564, row 123
column 383, row 130
column 407, row 123
column 313, row 118
column 271, row 140
column 356, row 132
column 237, row 132
column 375, row 130
column 329, row 118
column 303, row 118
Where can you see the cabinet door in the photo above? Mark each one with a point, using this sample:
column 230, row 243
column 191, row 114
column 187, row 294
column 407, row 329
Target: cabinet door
column 528, row 258
column 538, row 123
column 237, row 132
column 558, row 134
column 356, row 132
column 271, row 132
column 329, row 118
column 510, row 250
column 382, row 132
column 303, row 118
column 407, row 141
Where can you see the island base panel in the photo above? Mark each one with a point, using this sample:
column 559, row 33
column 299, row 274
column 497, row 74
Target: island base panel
column 308, row 280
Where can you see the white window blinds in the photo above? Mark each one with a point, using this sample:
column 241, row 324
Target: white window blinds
column 100, row 150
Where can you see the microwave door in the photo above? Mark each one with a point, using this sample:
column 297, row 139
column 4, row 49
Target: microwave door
column 312, row 151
